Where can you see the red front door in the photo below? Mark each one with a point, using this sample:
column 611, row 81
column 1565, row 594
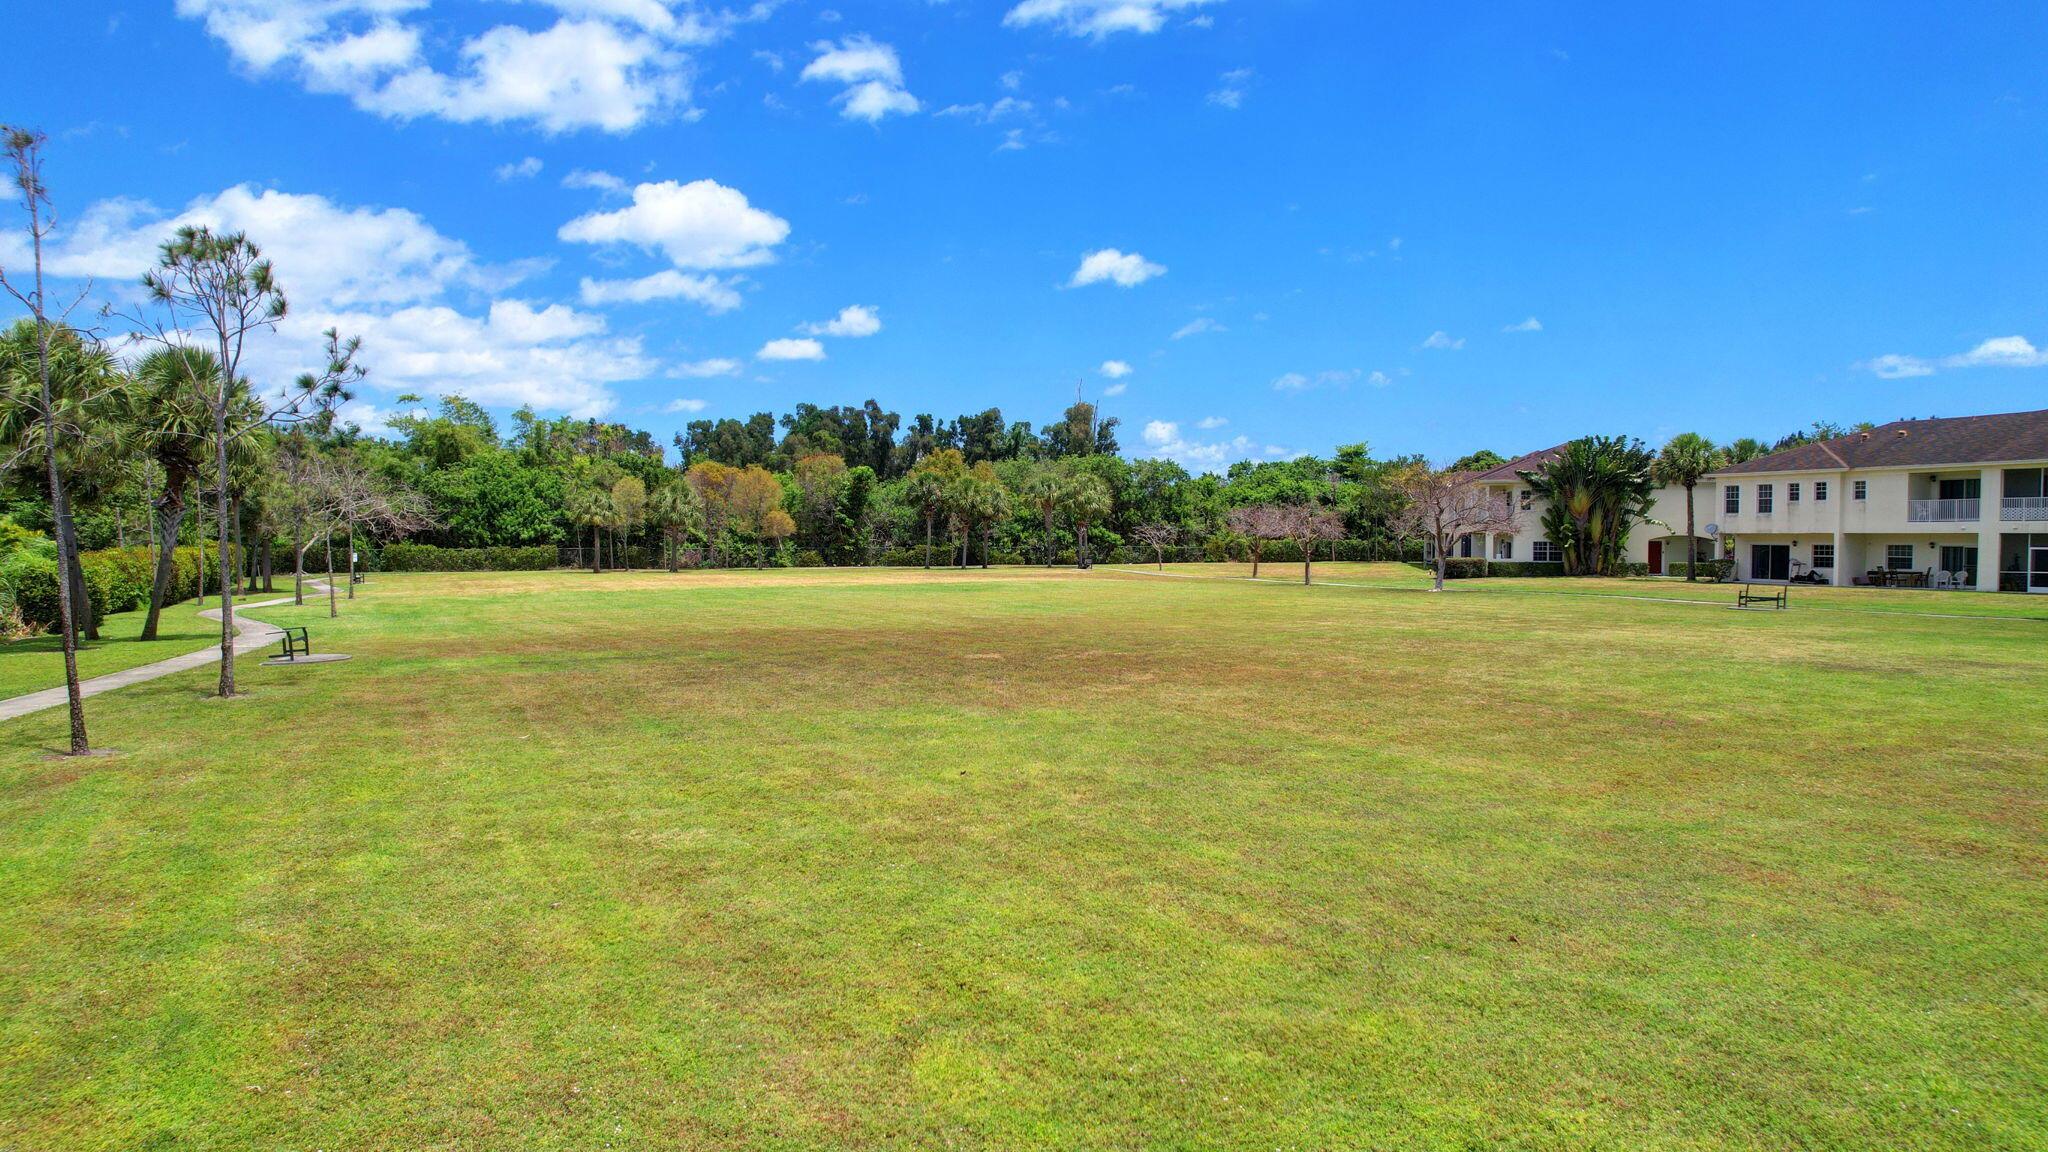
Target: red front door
column 1656, row 557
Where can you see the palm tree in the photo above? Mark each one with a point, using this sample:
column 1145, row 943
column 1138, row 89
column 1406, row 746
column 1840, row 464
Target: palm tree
column 677, row 510
column 88, row 422
column 1599, row 489
column 1684, row 461
column 591, row 508
column 926, row 491
column 1046, row 492
column 1088, row 500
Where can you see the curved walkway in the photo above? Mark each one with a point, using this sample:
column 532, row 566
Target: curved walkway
column 250, row 634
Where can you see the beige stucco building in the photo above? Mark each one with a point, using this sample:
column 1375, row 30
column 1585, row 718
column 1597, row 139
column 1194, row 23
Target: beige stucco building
column 1658, row 545
column 1956, row 502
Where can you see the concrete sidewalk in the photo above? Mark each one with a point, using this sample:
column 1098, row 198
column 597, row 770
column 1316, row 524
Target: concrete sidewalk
column 250, row 634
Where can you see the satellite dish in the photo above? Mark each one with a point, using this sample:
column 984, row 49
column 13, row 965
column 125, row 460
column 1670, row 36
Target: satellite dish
column 1713, row 530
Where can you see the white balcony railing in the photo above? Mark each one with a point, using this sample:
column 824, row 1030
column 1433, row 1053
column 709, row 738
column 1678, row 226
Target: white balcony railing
column 1942, row 511
column 2032, row 508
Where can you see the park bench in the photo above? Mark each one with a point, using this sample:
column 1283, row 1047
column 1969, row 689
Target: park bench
column 295, row 642
column 1774, row 597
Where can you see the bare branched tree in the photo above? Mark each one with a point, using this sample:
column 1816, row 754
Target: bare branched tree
column 367, row 502
column 1157, row 537
column 1308, row 525
column 1258, row 524
column 1442, row 506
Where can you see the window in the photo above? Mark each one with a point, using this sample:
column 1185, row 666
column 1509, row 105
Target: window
column 1731, row 499
column 1898, row 557
column 1970, row 489
column 1792, row 493
column 2026, row 483
column 1763, row 499
column 1861, row 490
column 1503, row 547
column 1824, row 556
column 1820, row 490
column 1959, row 558
column 1544, row 552
column 1526, row 495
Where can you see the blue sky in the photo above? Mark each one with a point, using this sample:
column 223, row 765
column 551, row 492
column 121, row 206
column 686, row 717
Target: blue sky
column 1292, row 223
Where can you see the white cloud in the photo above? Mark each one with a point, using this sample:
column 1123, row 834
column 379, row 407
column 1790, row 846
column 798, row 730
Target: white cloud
column 1379, row 379
column 603, row 182
column 1013, row 80
column 606, row 64
column 1163, row 440
column 1896, row 367
column 685, row 405
column 872, row 74
column 1230, row 92
column 1334, row 378
column 1125, row 271
column 1444, row 341
column 523, row 170
column 2001, row 352
column 715, row 295
column 1196, row 327
column 702, row 224
column 1532, row 324
column 1098, row 18
column 704, row 369
column 510, row 357
column 1997, row 352
column 1116, row 389
column 1115, row 369
column 791, row 350
column 323, row 251
column 853, row 322
column 389, row 276
column 1210, row 423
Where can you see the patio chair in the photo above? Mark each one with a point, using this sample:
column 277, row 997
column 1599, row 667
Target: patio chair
column 1959, row 580
column 1941, row 580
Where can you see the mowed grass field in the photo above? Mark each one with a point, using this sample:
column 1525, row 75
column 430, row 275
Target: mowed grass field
column 1031, row 859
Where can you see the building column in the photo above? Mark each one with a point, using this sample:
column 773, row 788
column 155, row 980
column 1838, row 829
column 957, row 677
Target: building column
column 1842, row 570
column 1990, row 487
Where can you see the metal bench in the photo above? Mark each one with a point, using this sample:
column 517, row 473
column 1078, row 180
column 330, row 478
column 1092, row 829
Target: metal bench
column 1774, row 597
column 295, row 642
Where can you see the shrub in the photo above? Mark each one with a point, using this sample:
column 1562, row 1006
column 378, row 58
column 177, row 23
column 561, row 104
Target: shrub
column 1709, row 569
column 1525, row 568
column 809, row 558
column 402, row 557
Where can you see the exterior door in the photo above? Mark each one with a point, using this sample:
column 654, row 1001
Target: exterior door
column 1656, row 557
column 1770, row 561
column 2037, row 578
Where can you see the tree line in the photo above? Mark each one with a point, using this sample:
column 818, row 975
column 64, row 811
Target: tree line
column 164, row 445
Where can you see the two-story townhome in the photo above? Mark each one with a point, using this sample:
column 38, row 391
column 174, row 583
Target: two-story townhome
column 1658, row 544
column 1954, row 502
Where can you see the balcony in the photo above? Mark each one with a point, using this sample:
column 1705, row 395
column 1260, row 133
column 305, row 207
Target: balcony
column 1943, row 511
column 2033, row 509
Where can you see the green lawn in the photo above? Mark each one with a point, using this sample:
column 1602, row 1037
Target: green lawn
column 1051, row 860
column 38, row 662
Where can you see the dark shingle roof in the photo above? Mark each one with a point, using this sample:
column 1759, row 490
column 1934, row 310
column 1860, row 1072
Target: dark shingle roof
column 1916, row 444
column 1512, row 469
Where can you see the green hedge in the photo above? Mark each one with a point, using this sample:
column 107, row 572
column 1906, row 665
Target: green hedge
column 116, row 580
column 1526, row 568
column 433, row 558
column 1709, row 569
